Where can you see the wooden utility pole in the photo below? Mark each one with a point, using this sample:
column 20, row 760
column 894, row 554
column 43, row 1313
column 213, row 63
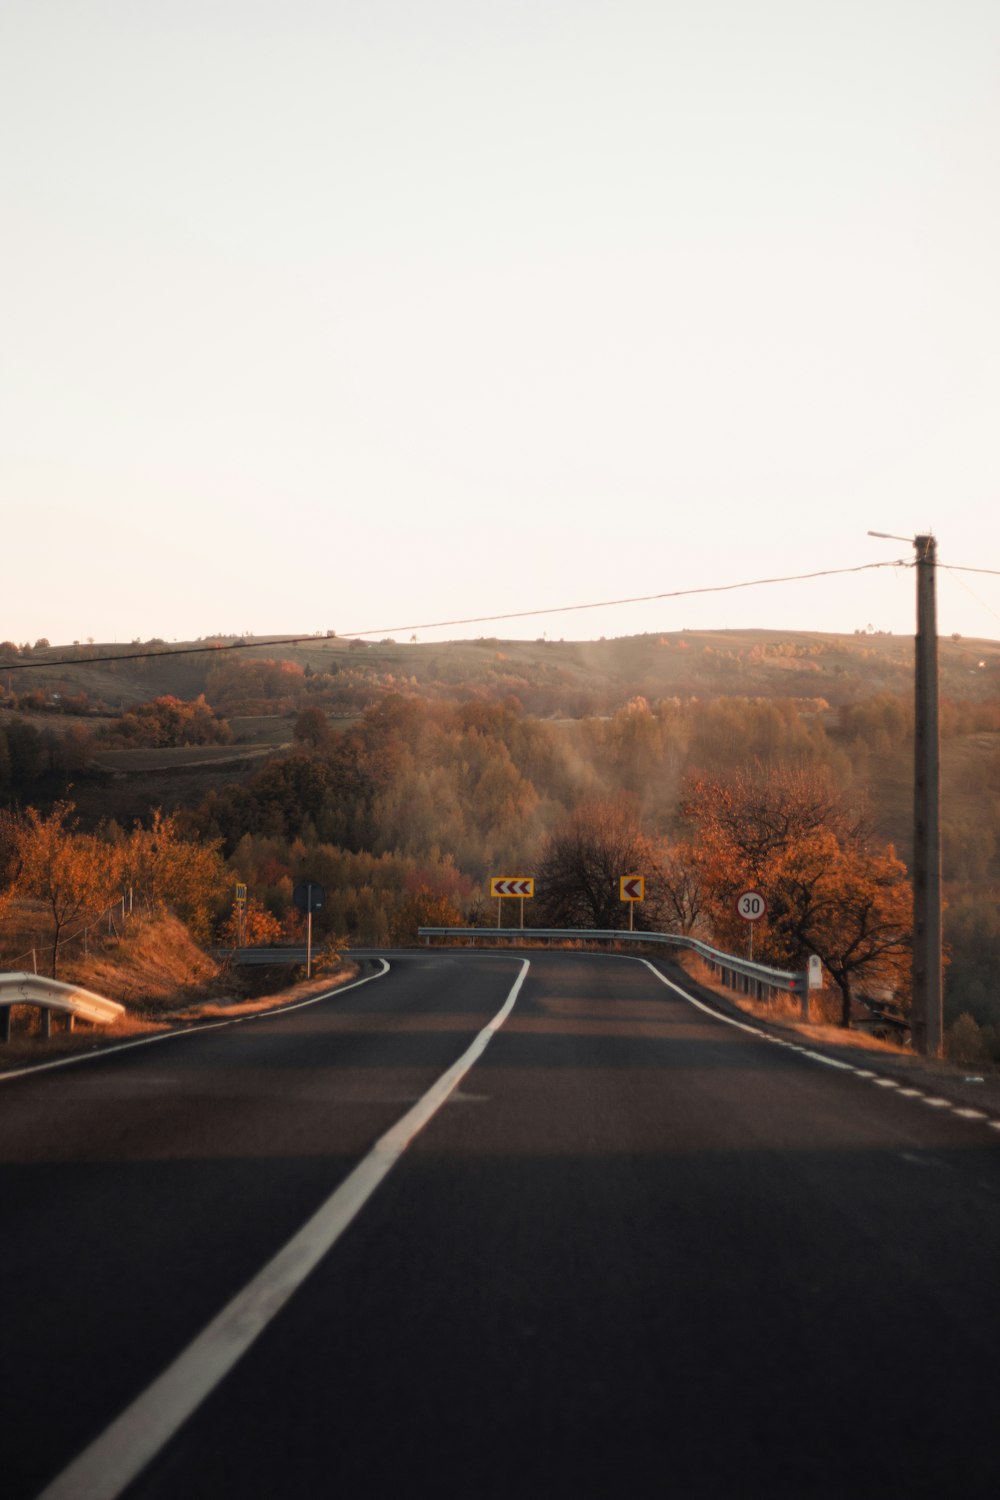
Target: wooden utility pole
column 927, row 1008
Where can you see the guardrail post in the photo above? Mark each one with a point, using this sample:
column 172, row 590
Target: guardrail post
column 46, row 1022
column 5, row 1015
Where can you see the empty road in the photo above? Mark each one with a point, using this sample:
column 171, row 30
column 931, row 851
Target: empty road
column 625, row 1248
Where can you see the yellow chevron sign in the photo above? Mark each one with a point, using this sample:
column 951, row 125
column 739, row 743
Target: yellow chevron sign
column 632, row 888
column 512, row 885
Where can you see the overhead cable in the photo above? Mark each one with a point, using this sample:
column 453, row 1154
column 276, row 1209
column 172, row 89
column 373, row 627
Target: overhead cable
column 521, row 614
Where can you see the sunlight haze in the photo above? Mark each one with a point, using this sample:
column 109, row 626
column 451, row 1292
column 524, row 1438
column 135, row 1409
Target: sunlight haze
column 359, row 317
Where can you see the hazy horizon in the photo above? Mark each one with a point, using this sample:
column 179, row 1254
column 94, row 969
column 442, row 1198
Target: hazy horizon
column 361, row 316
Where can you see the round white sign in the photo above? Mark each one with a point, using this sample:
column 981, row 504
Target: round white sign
column 751, row 906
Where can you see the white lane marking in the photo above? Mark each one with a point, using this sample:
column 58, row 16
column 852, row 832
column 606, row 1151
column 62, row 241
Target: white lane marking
column 194, row 1030
column 124, row 1449
column 828, row 1062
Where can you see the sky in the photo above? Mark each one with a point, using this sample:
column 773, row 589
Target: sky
column 362, row 316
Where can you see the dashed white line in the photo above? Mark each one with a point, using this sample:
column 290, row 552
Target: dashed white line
column 829, row 1062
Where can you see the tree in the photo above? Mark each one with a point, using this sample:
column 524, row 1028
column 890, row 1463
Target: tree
column 11, row 859
column 788, row 834
column 422, row 909
column 583, row 860
column 168, row 871
column 74, row 874
column 682, row 889
column 312, row 729
column 259, row 928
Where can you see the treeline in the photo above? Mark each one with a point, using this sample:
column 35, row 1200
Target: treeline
column 168, row 721
column 413, row 807
column 35, row 763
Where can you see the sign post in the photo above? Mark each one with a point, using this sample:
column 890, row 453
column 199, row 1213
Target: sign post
column 751, row 906
column 309, row 896
column 631, row 888
column 512, row 885
column 241, row 907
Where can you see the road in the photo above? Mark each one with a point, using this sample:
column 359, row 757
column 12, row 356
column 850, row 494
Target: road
column 638, row 1251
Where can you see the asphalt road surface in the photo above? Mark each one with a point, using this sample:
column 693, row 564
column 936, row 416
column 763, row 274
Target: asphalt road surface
column 627, row 1249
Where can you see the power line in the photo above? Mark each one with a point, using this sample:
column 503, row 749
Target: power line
column 520, row 614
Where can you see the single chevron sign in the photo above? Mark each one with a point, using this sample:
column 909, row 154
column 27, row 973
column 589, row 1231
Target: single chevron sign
column 632, row 888
column 512, row 885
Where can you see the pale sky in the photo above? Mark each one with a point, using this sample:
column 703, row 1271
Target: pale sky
column 355, row 316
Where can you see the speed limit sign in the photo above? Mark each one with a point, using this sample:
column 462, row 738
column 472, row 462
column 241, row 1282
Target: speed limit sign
column 751, row 906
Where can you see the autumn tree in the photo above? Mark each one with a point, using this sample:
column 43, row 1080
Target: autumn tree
column 166, row 871
column 11, row 859
column 583, row 860
column 169, row 721
column 75, row 875
column 681, row 887
column 259, row 928
column 422, row 909
column 312, row 728
column 790, row 835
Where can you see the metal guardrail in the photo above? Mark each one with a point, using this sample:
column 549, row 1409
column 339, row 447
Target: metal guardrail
column 758, row 980
column 53, row 995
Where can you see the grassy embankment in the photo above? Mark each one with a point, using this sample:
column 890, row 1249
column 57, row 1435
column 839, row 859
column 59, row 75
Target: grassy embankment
column 165, row 981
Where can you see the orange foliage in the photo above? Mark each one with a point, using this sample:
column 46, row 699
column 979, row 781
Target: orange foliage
column 789, row 836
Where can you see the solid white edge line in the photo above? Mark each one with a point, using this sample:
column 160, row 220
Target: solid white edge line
column 123, row 1450
column 193, row 1030
column 829, row 1062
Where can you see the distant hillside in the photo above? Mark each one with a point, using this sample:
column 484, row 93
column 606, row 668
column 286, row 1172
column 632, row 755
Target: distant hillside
column 856, row 690
column 402, row 766
column 550, row 678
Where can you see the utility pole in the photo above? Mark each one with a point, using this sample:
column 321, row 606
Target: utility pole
column 926, row 1021
column 927, row 1008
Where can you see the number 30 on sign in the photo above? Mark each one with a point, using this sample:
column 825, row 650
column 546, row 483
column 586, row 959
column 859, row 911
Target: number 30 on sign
column 751, row 906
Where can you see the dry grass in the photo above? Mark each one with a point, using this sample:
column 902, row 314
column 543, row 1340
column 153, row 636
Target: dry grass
column 165, row 981
column 153, row 968
column 305, row 989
